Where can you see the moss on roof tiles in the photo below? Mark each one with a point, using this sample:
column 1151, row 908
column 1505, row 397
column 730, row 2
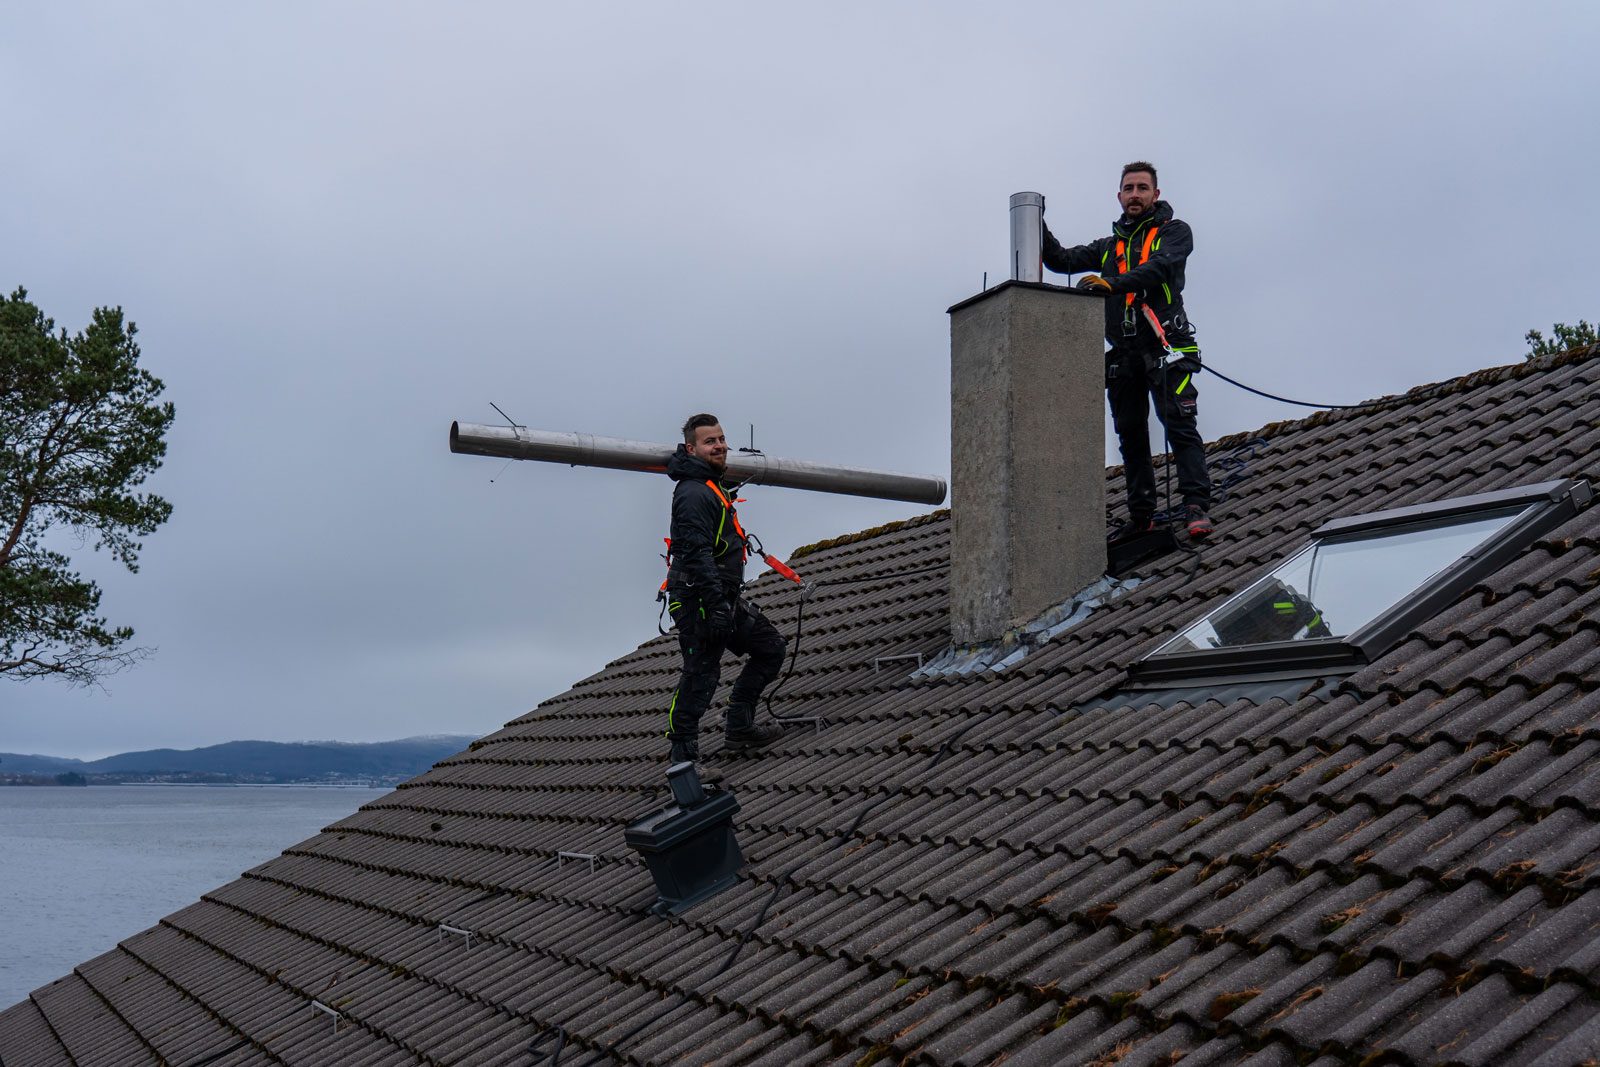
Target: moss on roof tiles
column 867, row 535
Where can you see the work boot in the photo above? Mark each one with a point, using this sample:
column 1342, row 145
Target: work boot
column 743, row 735
column 1133, row 527
column 1197, row 522
column 689, row 751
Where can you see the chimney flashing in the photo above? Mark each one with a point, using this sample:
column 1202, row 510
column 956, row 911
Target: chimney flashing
column 1014, row 646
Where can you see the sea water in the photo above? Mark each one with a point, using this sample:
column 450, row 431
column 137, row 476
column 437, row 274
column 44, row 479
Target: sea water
column 82, row 868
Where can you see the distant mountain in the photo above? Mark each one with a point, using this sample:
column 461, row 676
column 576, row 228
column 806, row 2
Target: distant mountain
column 256, row 761
column 15, row 763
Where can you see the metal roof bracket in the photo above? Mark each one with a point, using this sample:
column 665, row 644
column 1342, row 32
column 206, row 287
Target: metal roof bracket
column 331, row 1011
column 446, row 929
column 562, row 857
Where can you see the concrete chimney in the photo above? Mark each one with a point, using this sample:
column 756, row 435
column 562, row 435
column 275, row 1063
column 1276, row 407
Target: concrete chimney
column 1027, row 442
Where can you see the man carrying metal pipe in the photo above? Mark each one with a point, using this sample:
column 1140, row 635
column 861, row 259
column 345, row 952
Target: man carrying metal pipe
column 1141, row 271
column 705, row 573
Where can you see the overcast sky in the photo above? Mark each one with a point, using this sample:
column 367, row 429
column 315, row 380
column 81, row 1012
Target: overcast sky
column 339, row 226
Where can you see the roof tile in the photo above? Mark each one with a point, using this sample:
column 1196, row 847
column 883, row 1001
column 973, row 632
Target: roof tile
column 1034, row 864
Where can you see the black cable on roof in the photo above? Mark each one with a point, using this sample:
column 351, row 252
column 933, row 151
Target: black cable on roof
column 560, row 1033
column 794, row 654
column 682, row 998
column 220, row 1053
column 1208, row 369
column 800, row 620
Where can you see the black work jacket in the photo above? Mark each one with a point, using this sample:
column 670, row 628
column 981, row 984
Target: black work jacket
column 707, row 551
column 1157, row 280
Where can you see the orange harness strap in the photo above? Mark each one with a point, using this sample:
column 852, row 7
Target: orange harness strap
column 744, row 542
column 1144, row 257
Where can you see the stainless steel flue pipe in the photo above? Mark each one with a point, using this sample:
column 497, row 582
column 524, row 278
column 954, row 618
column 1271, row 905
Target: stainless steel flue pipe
column 616, row 453
column 1027, row 237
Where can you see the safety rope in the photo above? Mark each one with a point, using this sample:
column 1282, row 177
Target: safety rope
column 800, row 618
column 560, row 1033
column 1166, row 440
column 794, row 654
column 221, row 1053
column 1207, row 368
column 1235, row 468
column 1171, row 355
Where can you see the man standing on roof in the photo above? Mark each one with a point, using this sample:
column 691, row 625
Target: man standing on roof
column 1141, row 266
column 704, row 578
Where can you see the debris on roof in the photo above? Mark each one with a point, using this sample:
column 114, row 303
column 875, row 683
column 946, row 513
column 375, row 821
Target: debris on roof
column 1034, row 867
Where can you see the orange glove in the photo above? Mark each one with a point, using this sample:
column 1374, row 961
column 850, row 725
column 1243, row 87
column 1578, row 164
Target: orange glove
column 1093, row 283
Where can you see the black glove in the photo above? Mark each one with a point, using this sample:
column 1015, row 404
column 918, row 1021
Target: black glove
column 719, row 620
column 1093, row 283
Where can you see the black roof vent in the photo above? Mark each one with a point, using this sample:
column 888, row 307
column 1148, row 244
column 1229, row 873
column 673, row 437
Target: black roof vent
column 688, row 846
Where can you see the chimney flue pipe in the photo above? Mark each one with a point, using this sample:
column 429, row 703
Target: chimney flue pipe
column 1027, row 237
column 588, row 450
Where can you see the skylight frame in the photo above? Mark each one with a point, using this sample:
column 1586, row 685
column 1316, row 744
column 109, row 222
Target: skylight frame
column 1547, row 505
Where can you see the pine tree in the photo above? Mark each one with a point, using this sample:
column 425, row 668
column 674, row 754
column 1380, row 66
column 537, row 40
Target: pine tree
column 81, row 427
column 1566, row 337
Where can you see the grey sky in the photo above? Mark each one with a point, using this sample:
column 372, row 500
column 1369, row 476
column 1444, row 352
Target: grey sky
column 340, row 226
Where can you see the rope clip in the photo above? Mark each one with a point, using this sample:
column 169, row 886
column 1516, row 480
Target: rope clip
column 782, row 568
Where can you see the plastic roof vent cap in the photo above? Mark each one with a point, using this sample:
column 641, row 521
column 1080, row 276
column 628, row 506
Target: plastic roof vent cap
column 689, row 846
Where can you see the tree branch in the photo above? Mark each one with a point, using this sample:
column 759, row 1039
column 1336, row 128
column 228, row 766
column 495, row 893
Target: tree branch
column 32, row 495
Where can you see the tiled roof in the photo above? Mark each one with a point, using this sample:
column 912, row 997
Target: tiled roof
column 1034, row 867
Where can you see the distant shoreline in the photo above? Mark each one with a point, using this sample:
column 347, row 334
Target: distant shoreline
column 378, row 764
column 51, row 784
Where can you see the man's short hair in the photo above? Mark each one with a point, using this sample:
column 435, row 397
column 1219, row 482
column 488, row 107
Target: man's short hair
column 695, row 422
column 1139, row 164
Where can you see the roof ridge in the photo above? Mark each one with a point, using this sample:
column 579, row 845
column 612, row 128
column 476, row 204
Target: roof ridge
column 1447, row 387
column 871, row 532
column 1432, row 390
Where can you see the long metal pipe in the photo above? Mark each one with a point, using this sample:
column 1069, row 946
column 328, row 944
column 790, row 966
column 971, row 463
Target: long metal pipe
column 1027, row 237
column 616, row 453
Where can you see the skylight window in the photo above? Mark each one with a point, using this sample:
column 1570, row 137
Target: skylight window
column 1360, row 585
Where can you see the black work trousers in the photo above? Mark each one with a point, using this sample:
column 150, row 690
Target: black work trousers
column 1130, row 388
column 753, row 637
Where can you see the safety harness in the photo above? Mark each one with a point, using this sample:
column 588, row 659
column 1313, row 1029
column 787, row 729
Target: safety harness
column 1152, row 242
column 747, row 541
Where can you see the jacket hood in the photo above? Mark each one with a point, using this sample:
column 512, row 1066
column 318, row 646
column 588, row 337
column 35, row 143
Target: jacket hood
column 683, row 467
column 1161, row 212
